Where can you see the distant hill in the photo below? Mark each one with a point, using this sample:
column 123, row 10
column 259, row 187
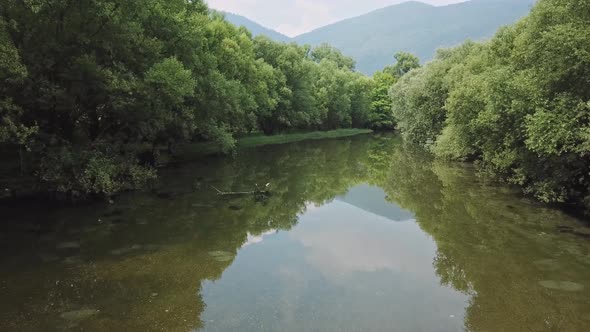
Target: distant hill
column 255, row 28
column 415, row 27
column 374, row 200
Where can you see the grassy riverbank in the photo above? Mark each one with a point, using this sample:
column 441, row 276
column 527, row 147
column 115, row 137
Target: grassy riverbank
column 195, row 150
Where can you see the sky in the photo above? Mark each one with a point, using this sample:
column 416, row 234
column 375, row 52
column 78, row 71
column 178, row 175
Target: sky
column 294, row 17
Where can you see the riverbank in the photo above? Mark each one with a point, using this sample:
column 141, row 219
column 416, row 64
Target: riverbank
column 188, row 152
column 12, row 185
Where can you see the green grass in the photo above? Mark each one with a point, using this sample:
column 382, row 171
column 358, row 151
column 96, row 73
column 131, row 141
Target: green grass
column 195, row 150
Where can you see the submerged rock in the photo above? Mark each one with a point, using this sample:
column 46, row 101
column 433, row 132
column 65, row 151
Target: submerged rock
column 168, row 195
column 118, row 221
column 547, row 264
column 235, row 207
column 114, row 213
column 567, row 286
column 152, row 247
column 48, row 258
column 73, row 260
column 79, row 314
column 199, row 205
column 69, row 245
column 121, row 251
column 127, row 250
column 37, row 229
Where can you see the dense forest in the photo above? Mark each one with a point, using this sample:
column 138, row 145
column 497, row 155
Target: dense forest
column 518, row 105
column 93, row 90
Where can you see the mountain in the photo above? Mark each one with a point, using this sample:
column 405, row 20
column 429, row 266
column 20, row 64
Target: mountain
column 255, row 28
column 415, row 27
column 374, row 200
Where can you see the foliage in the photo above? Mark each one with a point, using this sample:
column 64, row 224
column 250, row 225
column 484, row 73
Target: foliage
column 78, row 77
column 381, row 117
column 12, row 75
column 327, row 52
column 519, row 104
column 404, row 62
column 92, row 172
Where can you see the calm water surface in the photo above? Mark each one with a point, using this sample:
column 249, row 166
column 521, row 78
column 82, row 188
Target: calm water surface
column 359, row 234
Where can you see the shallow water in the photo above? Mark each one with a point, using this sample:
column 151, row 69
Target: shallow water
column 359, row 234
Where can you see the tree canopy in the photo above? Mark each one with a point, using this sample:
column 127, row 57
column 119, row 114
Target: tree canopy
column 518, row 104
column 92, row 91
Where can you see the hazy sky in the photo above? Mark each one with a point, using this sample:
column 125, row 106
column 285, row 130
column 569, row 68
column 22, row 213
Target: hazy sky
column 293, row 17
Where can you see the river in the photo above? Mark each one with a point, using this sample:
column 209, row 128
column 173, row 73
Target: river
column 358, row 234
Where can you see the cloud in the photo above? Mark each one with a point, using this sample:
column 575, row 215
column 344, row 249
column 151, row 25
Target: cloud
column 340, row 239
column 310, row 14
column 294, row 17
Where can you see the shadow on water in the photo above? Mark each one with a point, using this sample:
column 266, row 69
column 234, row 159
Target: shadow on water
column 141, row 264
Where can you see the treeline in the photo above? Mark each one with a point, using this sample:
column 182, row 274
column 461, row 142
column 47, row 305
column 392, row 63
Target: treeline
column 519, row 104
column 91, row 90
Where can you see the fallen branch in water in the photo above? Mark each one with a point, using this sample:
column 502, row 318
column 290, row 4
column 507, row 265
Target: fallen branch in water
column 255, row 192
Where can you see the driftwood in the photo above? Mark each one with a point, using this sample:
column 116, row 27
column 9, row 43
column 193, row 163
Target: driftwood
column 257, row 191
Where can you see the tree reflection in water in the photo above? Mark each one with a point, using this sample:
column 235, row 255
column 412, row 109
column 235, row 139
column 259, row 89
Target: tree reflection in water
column 142, row 261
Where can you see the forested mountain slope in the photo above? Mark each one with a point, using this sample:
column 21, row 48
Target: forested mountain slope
column 415, row 27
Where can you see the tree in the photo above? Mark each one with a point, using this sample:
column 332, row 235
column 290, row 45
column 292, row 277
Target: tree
column 404, row 63
column 327, row 52
column 381, row 115
column 99, row 90
column 517, row 104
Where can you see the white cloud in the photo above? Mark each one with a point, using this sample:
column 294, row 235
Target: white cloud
column 255, row 239
column 341, row 239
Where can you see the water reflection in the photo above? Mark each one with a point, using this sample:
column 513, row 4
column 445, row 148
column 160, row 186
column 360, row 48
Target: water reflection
column 497, row 247
column 360, row 234
column 340, row 269
column 374, row 200
column 341, row 239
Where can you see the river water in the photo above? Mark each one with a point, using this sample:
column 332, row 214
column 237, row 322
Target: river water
column 358, row 234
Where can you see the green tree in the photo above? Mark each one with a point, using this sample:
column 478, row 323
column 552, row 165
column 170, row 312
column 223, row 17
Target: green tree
column 404, row 63
column 517, row 104
column 99, row 91
column 327, row 52
column 381, row 115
